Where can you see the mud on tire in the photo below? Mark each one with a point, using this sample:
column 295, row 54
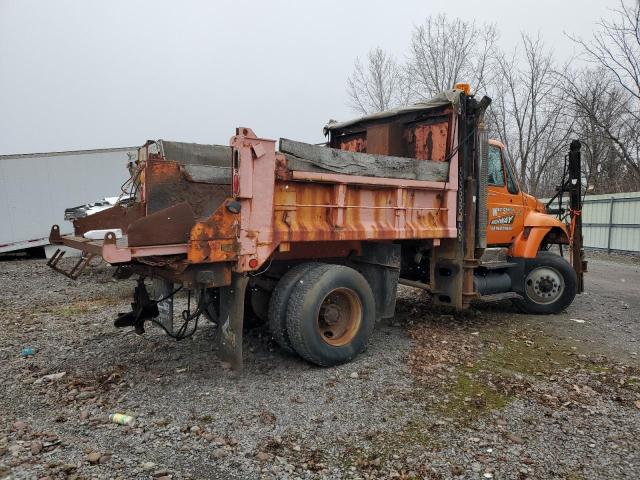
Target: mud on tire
column 277, row 312
column 331, row 315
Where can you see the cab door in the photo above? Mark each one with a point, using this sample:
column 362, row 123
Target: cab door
column 505, row 204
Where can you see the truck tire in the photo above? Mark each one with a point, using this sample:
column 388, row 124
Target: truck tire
column 277, row 312
column 550, row 285
column 331, row 315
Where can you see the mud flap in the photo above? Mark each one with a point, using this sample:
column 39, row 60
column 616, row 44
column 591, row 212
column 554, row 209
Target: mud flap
column 163, row 289
column 231, row 320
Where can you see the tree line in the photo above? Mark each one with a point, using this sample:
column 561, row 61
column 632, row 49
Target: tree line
column 539, row 102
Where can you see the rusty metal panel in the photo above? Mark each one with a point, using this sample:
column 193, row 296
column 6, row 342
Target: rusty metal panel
column 117, row 216
column 166, row 186
column 385, row 139
column 355, row 143
column 164, row 227
column 215, row 239
column 327, row 249
column 427, row 141
column 307, row 211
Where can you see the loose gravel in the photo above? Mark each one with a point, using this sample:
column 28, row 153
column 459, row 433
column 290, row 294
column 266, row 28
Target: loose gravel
column 485, row 394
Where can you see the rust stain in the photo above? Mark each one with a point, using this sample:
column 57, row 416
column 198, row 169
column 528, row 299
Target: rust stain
column 305, row 212
column 117, row 216
column 354, row 144
column 164, row 227
column 166, row 185
column 215, row 239
column 427, row 141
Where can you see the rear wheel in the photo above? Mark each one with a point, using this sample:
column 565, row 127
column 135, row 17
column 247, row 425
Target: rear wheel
column 550, row 285
column 331, row 315
column 277, row 311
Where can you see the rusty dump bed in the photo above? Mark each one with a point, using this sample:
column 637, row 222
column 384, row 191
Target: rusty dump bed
column 214, row 209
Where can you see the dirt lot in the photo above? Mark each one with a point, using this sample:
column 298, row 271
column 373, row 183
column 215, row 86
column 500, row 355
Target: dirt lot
column 488, row 394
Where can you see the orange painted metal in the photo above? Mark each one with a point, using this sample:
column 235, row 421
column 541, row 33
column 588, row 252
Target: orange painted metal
column 537, row 219
column 527, row 242
column 303, row 213
column 515, row 219
column 323, row 211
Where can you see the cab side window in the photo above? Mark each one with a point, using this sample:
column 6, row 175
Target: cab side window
column 512, row 185
column 494, row 167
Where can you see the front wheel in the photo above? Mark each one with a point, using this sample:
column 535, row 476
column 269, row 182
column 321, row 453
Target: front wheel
column 331, row 315
column 550, row 285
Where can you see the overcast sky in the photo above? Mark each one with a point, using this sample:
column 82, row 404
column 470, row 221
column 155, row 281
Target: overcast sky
column 89, row 74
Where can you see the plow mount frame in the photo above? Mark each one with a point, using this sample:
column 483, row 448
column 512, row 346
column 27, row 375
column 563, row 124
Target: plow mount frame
column 76, row 270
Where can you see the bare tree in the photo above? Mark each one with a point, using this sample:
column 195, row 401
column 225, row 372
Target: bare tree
column 597, row 105
column 375, row 85
column 445, row 51
column 614, row 50
column 529, row 114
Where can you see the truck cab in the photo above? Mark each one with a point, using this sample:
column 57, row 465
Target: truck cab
column 505, row 200
column 512, row 214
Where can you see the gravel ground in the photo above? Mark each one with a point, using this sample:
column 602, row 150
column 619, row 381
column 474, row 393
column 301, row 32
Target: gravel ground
column 485, row 394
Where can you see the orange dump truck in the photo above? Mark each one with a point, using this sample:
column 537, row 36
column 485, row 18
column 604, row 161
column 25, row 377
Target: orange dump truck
column 315, row 239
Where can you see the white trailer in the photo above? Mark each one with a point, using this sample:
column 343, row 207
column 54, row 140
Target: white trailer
column 35, row 190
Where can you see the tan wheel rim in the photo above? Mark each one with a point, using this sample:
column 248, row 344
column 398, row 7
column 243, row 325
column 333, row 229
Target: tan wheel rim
column 339, row 317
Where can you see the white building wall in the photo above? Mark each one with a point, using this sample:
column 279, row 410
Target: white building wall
column 35, row 189
column 611, row 221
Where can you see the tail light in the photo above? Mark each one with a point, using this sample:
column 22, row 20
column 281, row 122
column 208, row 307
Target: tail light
column 235, row 178
column 235, row 183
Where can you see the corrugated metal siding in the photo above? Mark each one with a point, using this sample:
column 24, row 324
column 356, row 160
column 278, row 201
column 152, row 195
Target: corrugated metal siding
column 35, row 189
column 612, row 222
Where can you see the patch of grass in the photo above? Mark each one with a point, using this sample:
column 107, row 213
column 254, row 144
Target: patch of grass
column 474, row 393
column 463, row 380
column 492, row 372
column 372, row 453
column 79, row 308
column 529, row 354
column 419, row 431
column 597, row 368
column 69, row 311
column 574, row 476
column 468, row 396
